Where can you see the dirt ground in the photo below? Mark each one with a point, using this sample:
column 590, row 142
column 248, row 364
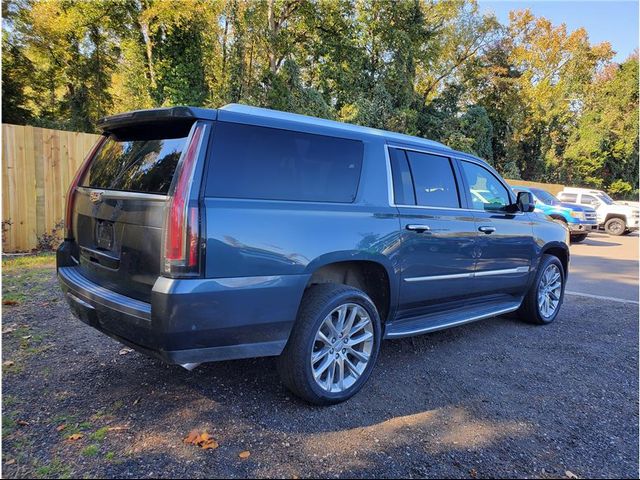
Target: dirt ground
column 497, row 398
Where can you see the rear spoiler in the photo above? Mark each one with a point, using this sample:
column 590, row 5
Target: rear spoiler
column 155, row 116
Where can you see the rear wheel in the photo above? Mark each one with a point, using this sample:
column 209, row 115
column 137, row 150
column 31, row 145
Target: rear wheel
column 544, row 299
column 615, row 226
column 578, row 238
column 333, row 346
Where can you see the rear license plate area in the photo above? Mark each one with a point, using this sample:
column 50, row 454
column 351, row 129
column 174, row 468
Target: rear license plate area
column 104, row 235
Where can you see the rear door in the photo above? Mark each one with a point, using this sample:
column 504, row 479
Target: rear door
column 438, row 236
column 119, row 207
column 506, row 245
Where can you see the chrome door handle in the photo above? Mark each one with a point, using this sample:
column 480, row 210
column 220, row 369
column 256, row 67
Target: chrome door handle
column 418, row 228
column 487, row 229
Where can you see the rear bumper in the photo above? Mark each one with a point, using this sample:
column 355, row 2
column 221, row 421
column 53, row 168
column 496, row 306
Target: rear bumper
column 192, row 321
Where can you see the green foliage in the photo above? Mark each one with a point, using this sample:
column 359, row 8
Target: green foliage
column 536, row 100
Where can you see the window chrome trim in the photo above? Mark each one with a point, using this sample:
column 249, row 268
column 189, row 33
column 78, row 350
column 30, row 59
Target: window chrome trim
column 390, row 191
column 120, row 194
column 483, row 273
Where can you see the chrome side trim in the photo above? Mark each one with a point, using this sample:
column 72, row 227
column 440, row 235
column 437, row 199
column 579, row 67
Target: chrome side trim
column 418, row 331
column 485, row 273
column 439, row 277
column 118, row 194
column 506, row 271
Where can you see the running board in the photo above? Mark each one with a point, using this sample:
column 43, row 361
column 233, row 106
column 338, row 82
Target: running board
column 448, row 319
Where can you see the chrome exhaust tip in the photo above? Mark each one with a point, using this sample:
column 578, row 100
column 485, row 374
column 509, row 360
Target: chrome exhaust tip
column 189, row 366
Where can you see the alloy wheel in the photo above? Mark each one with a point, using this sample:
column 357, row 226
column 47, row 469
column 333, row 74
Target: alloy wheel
column 342, row 348
column 549, row 291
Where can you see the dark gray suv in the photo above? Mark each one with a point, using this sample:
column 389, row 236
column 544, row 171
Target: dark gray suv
column 199, row 235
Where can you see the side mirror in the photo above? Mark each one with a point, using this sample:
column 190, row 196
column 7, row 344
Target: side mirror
column 525, row 202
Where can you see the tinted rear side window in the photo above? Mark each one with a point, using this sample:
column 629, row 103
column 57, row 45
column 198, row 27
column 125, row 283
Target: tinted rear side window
column 135, row 164
column 273, row 164
column 434, row 181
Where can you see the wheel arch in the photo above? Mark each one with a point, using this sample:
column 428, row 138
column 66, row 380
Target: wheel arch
column 372, row 274
column 621, row 216
column 559, row 250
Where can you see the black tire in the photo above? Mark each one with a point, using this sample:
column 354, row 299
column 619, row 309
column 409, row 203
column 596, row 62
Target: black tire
column 529, row 310
column 579, row 238
column 615, row 227
column 294, row 364
column 560, row 220
column 626, row 232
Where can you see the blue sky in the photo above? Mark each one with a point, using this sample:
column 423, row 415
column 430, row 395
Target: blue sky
column 612, row 21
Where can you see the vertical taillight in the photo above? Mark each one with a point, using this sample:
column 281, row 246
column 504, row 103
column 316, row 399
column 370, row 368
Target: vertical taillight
column 181, row 241
column 71, row 193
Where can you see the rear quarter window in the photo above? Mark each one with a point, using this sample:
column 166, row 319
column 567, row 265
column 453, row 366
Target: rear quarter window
column 272, row 164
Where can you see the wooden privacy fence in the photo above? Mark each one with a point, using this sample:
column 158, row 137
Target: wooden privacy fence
column 37, row 166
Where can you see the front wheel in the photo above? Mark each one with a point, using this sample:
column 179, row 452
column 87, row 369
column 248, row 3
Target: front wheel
column 544, row 298
column 333, row 346
column 579, row 238
column 615, row 226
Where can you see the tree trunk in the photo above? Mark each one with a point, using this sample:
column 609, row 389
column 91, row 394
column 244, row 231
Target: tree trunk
column 273, row 32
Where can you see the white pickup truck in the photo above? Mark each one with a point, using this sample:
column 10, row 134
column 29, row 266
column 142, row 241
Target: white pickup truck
column 616, row 218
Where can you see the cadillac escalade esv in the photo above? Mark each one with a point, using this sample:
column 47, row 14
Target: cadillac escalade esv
column 198, row 235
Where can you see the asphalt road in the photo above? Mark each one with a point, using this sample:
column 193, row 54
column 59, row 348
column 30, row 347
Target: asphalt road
column 606, row 266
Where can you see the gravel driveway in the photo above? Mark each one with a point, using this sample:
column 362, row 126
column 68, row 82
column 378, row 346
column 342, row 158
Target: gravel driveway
column 497, row 398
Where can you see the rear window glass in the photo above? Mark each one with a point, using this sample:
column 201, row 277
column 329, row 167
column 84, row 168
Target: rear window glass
column 135, row 164
column 433, row 180
column 273, row 164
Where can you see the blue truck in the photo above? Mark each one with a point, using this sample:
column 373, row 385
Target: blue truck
column 579, row 219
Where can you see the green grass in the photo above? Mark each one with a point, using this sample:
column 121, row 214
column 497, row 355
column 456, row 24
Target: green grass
column 100, row 434
column 8, row 424
column 110, row 456
column 24, row 276
column 47, row 259
column 91, row 450
column 54, row 469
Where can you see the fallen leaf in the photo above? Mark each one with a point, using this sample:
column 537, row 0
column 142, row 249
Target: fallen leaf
column 244, row 454
column 8, row 363
column 22, row 423
column 59, row 428
column 26, row 337
column 126, row 350
column 473, row 473
column 75, row 436
column 9, row 302
column 209, row 445
column 10, row 462
column 192, row 437
column 203, row 440
column 136, row 401
column 570, row 474
column 8, row 330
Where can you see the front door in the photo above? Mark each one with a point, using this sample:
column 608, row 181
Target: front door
column 438, row 237
column 505, row 243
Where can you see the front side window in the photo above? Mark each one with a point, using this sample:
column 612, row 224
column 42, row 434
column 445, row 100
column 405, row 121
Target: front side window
column 434, row 181
column 486, row 191
column 589, row 200
column 568, row 197
column 273, row 164
column 545, row 197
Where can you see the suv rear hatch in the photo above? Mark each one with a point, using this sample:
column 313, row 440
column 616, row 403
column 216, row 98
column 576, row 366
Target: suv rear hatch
column 123, row 194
